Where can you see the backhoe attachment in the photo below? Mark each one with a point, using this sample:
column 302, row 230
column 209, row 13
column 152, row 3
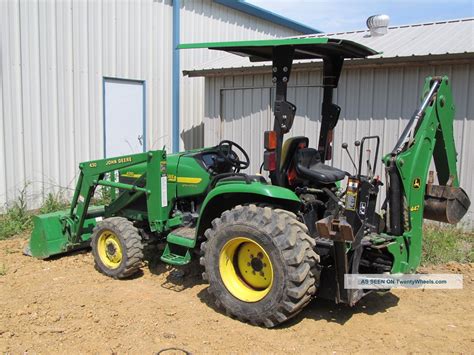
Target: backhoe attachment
column 411, row 192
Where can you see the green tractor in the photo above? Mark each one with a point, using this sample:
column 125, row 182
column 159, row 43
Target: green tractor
column 268, row 246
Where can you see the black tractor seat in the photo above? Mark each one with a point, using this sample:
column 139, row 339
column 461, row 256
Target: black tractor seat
column 309, row 166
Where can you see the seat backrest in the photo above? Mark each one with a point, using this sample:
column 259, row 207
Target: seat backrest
column 308, row 157
column 290, row 146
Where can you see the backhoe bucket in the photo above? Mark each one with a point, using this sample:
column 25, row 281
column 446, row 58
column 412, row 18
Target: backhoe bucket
column 445, row 203
column 48, row 237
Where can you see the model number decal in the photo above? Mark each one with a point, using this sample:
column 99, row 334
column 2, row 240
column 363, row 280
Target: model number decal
column 415, row 208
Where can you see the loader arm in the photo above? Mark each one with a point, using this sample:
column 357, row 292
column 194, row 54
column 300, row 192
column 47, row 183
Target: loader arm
column 63, row 231
column 92, row 175
column 412, row 196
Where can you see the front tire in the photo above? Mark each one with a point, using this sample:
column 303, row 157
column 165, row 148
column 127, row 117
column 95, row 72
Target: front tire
column 260, row 264
column 117, row 247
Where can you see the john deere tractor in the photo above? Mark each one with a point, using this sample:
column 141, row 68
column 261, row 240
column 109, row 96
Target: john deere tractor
column 268, row 246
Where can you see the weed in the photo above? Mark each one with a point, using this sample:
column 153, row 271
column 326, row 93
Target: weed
column 17, row 218
column 54, row 202
column 103, row 196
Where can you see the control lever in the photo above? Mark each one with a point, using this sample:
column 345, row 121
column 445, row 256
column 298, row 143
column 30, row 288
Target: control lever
column 357, row 145
column 370, row 169
column 344, row 146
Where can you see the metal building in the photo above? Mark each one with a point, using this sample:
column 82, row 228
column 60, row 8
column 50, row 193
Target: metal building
column 377, row 95
column 79, row 77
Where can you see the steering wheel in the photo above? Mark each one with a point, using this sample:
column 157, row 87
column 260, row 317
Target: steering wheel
column 226, row 152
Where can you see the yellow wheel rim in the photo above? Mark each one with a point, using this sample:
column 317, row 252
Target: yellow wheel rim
column 109, row 249
column 246, row 269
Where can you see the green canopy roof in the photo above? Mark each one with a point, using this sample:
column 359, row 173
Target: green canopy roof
column 305, row 48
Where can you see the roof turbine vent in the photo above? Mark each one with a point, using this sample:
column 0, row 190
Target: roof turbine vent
column 378, row 24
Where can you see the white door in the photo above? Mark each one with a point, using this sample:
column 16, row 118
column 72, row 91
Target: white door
column 124, row 116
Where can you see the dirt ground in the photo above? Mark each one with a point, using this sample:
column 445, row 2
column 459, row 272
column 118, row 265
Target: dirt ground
column 64, row 306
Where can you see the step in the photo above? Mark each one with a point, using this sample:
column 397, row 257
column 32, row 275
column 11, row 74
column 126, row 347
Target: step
column 183, row 236
column 185, row 232
column 175, row 259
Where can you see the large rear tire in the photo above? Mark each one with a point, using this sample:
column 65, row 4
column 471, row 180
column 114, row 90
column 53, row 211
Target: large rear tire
column 117, row 247
column 260, row 264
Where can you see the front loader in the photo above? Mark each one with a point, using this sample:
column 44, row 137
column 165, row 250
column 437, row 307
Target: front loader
column 268, row 246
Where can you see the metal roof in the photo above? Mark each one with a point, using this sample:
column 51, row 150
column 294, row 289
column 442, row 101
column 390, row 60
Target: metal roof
column 304, row 48
column 249, row 9
column 433, row 39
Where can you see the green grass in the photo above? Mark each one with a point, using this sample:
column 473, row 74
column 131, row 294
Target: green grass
column 445, row 244
column 16, row 219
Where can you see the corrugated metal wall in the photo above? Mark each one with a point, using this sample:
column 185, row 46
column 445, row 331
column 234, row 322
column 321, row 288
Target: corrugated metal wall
column 374, row 101
column 201, row 21
column 54, row 55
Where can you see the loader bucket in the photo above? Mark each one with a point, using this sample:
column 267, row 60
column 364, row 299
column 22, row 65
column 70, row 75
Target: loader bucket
column 48, row 237
column 445, row 203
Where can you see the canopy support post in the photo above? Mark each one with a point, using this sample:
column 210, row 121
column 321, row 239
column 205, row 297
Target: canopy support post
column 284, row 111
column 330, row 111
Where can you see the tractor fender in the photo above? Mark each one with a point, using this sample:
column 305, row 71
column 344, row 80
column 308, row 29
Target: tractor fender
column 228, row 195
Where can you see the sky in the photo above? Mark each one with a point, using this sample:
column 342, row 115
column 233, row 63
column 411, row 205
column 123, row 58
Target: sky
column 347, row 15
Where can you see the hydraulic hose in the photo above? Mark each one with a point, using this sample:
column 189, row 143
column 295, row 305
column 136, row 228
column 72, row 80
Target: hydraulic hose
column 394, row 199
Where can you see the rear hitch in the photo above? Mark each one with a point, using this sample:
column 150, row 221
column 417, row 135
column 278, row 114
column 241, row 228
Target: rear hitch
column 340, row 232
column 336, row 229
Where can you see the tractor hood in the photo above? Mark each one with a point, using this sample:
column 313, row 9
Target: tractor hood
column 305, row 48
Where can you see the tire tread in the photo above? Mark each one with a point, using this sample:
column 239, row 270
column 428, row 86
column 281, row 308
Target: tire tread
column 290, row 236
column 132, row 246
